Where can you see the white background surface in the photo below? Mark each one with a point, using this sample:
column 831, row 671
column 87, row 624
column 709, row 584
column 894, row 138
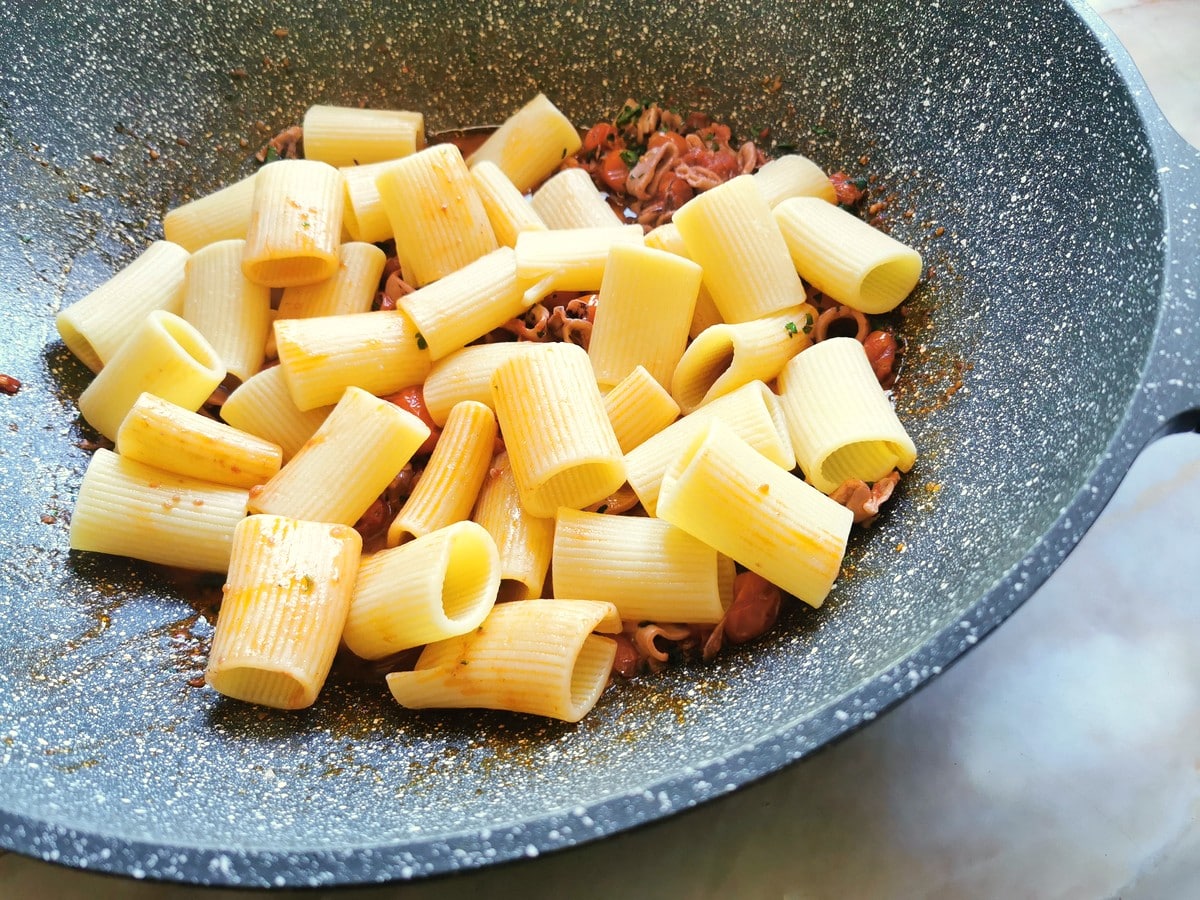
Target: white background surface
column 1061, row 758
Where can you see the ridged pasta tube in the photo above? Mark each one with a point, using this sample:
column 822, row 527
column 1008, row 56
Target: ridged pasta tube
column 724, row 357
column 283, row 609
column 295, row 223
column 439, row 586
column 380, row 352
column 667, row 237
column 95, row 327
column 536, row 656
column 165, row 356
column 160, row 433
column 467, row 374
column 127, row 508
column 570, row 200
column 350, row 289
column 523, row 541
column 844, row 257
column 530, row 143
column 438, row 220
column 263, row 406
column 466, row 304
column 643, row 313
column 649, row 569
column 348, row 135
column 793, row 176
column 560, row 442
column 360, row 447
column 507, row 209
column 841, row 422
column 770, row 521
column 364, row 215
column 223, row 215
column 729, row 231
column 232, row 312
column 639, row 408
column 449, row 485
column 571, row 259
column 752, row 412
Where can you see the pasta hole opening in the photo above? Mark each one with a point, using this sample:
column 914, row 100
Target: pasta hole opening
column 512, row 590
column 469, row 586
column 691, row 390
column 863, row 460
column 291, row 271
column 265, row 687
column 589, row 675
column 885, row 285
column 78, row 344
column 191, row 342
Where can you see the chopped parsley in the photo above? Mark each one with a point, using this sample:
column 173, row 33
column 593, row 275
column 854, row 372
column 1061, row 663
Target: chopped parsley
column 272, row 155
column 823, row 131
column 422, row 344
column 808, row 323
column 628, row 114
column 602, row 508
column 629, row 157
column 791, row 329
column 861, row 182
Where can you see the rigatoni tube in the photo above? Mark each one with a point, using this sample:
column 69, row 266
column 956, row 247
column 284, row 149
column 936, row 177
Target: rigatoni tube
column 536, row 656
column 649, row 569
column 231, row 311
column 160, row 433
column 284, row 606
column 643, row 313
column 530, row 143
column 844, row 257
column 437, row 218
column 729, row 231
column 348, row 135
column 450, row 482
column 295, row 223
column 523, row 541
column 560, row 442
column 723, row 357
column 439, row 586
column 360, row 447
column 128, row 508
column 165, row 356
column 841, row 422
column 770, row 521
column 380, row 352
column 95, row 327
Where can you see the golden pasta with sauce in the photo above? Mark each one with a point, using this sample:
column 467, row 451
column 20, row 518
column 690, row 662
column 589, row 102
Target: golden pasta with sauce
column 507, row 421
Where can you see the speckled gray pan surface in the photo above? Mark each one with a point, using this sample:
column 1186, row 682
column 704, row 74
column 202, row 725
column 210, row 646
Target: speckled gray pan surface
column 1054, row 208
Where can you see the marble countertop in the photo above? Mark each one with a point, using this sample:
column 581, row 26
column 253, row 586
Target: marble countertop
column 1061, row 758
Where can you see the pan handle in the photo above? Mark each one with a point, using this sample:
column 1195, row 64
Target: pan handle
column 1170, row 392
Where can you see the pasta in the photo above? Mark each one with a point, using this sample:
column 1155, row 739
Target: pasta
column 526, row 443
column 284, row 606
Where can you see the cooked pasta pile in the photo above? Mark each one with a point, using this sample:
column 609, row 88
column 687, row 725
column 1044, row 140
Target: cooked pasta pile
column 382, row 386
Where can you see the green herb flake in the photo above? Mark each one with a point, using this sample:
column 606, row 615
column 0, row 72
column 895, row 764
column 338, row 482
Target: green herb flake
column 272, row 155
column 783, row 149
column 823, row 131
column 628, row 114
column 602, row 508
column 629, row 157
column 422, row 344
column 564, row 153
column 808, row 323
column 861, row 182
column 791, row 329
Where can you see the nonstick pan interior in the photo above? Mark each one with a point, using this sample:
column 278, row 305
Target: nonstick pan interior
column 1032, row 182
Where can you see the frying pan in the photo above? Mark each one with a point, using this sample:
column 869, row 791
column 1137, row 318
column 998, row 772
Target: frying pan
column 1054, row 336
